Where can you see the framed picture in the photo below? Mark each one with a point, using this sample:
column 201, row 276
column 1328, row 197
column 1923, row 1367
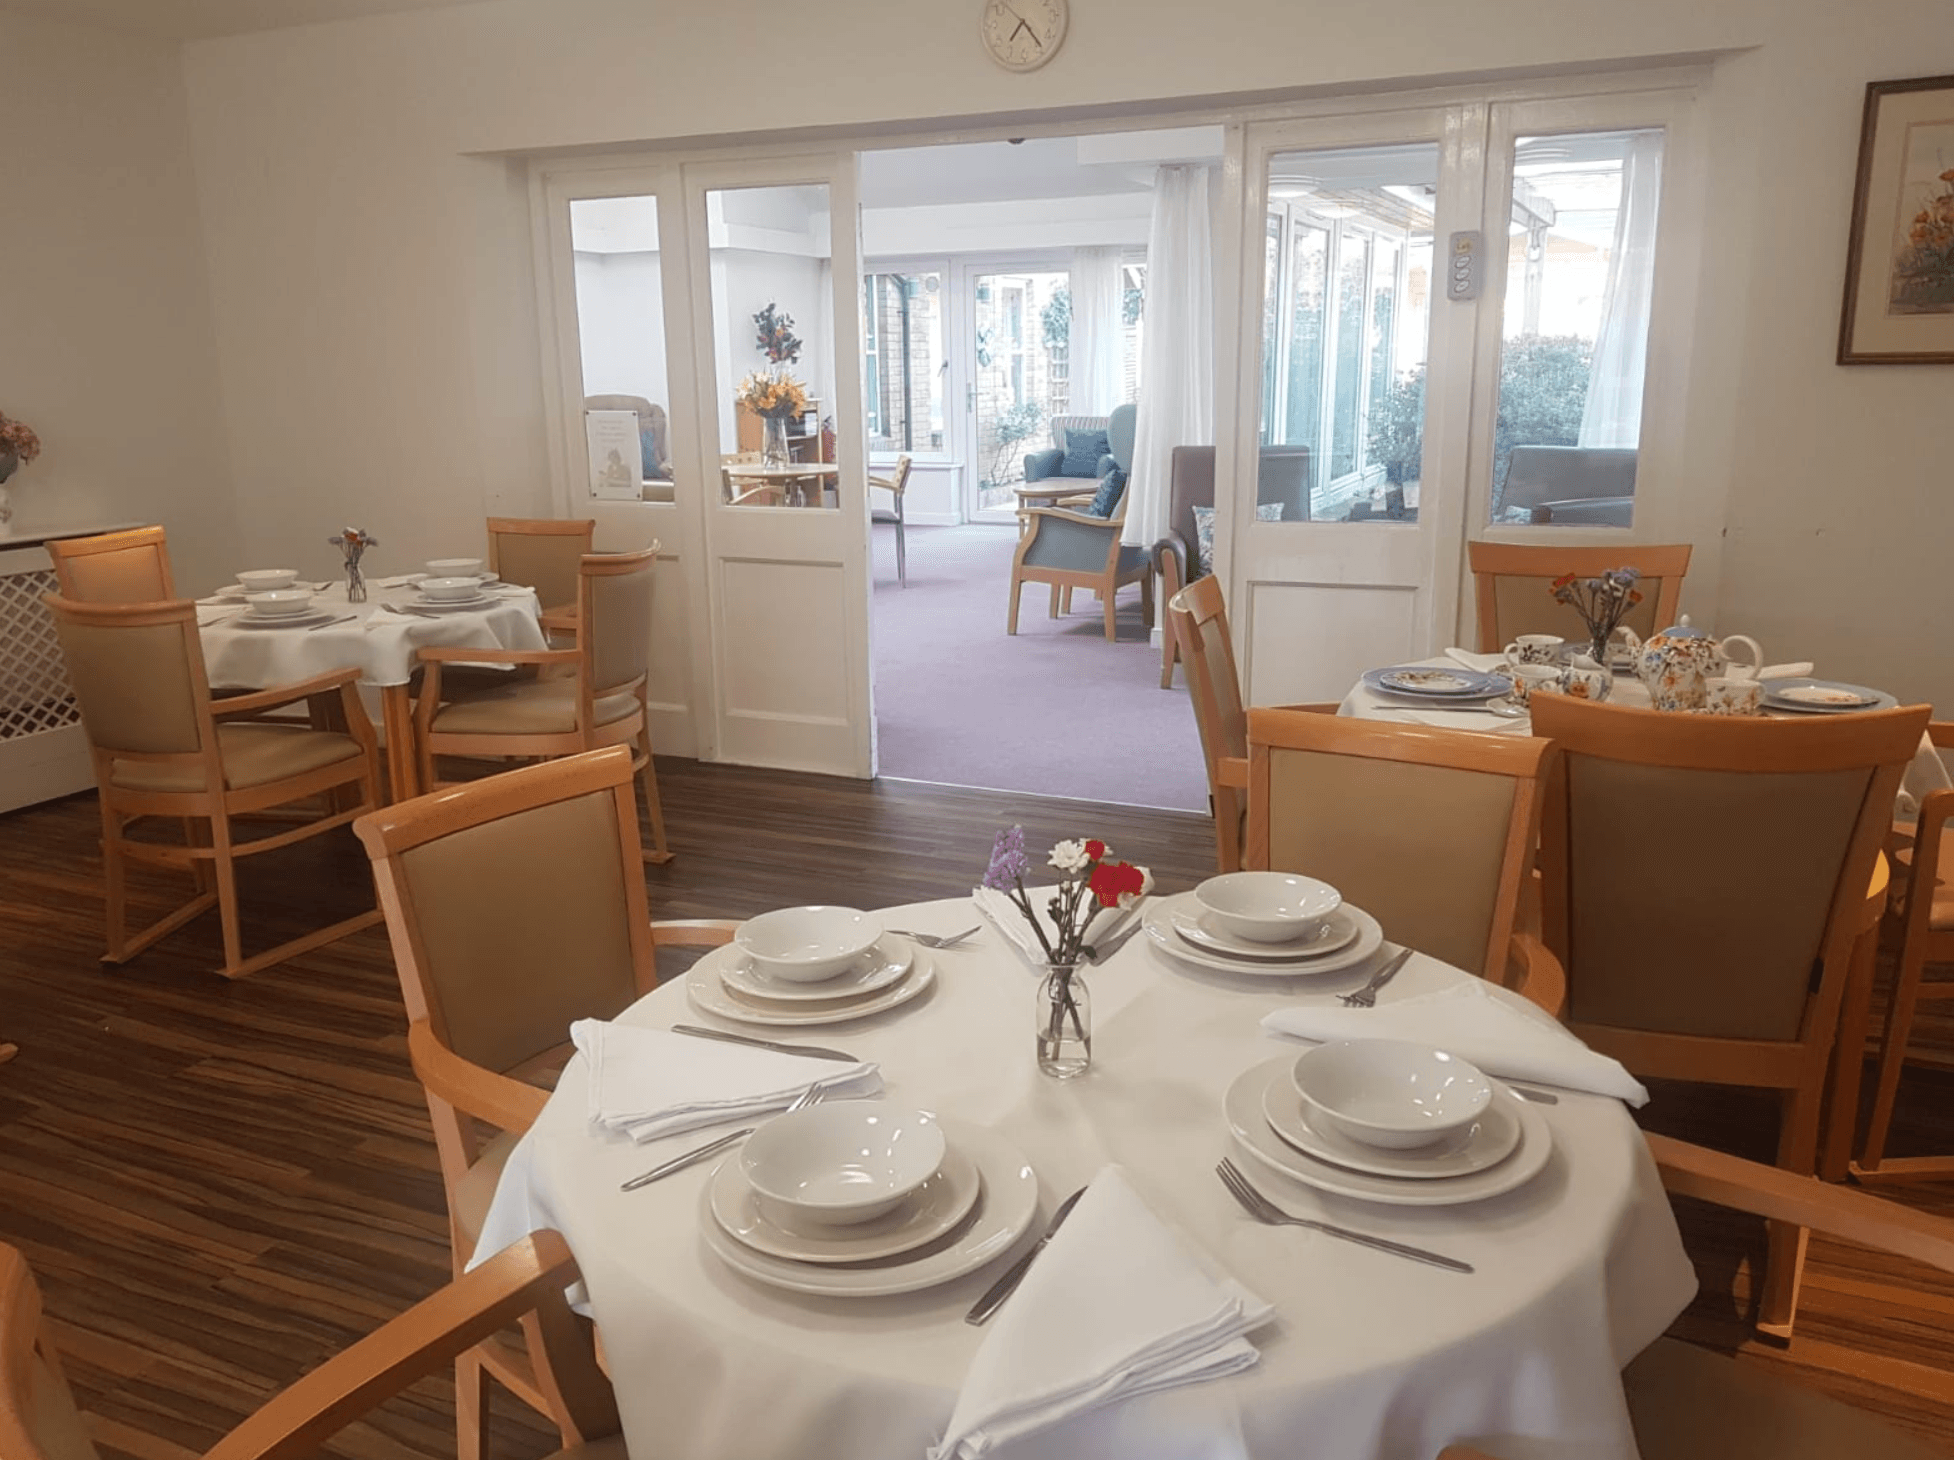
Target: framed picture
column 1899, row 272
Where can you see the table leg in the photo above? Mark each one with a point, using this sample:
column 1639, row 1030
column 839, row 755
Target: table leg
column 397, row 722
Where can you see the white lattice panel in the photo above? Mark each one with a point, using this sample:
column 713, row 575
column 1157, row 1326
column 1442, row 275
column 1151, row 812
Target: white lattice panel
column 35, row 696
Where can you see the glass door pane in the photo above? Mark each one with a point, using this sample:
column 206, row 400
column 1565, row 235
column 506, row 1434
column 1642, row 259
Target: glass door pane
column 1579, row 282
column 903, row 360
column 1020, row 339
column 770, row 255
column 621, row 337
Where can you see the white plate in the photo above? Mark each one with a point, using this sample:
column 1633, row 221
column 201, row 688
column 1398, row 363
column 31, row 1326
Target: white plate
column 935, row 1208
column 1244, row 1107
column 1816, row 696
column 309, row 619
column 1336, row 932
column 1004, row 1213
column 1159, row 926
column 881, row 966
column 454, row 605
column 1486, row 1142
column 709, row 994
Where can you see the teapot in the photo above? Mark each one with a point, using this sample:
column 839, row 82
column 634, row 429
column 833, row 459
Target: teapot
column 1675, row 663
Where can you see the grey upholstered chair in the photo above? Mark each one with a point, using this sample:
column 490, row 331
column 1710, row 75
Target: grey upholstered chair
column 1068, row 549
column 1573, row 484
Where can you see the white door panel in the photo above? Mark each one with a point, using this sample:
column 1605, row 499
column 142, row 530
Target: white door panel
column 1310, row 641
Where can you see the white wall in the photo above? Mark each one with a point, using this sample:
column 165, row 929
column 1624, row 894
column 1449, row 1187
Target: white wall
column 106, row 347
column 336, row 214
column 621, row 325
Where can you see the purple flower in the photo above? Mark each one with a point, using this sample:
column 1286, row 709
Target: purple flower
column 1008, row 861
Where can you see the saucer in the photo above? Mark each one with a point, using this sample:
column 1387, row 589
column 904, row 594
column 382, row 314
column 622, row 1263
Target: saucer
column 1158, row 923
column 708, row 993
column 1006, row 1205
column 1823, row 696
column 311, row 618
column 1336, row 932
column 1428, row 683
column 881, row 966
column 936, row 1207
column 1486, row 1142
column 1244, row 1106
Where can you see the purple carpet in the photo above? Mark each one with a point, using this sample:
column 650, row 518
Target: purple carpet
column 1056, row 710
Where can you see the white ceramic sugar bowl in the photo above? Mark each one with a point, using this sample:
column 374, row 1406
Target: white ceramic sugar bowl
column 1675, row 663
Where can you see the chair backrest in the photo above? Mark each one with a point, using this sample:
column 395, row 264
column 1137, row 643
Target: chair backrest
column 516, row 904
column 1119, row 436
column 899, row 478
column 1062, row 424
column 1201, row 629
column 1699, row 871
column 1513, row 587
column 614, row 614
column 1281, row 475
column 138, row 674
column 1429, row 831
column 541, row 553
column 114, row 567
column 1539, row 474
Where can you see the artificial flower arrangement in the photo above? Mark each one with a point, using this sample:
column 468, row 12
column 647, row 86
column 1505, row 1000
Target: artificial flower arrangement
column 1601, row 602
column 774, row 334
column 777, row 397
column 353, row 543
column 17, row 441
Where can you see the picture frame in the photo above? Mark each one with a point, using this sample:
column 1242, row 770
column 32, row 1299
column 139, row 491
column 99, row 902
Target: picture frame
column 1899, row 276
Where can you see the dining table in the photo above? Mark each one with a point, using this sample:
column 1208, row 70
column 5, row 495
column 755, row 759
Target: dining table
column 380, row 637
column 790, row 478
column 1368, row 1356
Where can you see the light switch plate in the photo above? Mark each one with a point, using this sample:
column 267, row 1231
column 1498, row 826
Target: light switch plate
column 1462, row 277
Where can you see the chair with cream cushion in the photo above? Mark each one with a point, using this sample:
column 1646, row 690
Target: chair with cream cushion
column 896, row 484
column 113, row 567
column 163, row 748
column 1430, row 831
column 1513, row 586
column 1704, row 882
column 39, row 1419
column 515, row 905
column 542, row 553
column 600, row 700
column 1689, row 1403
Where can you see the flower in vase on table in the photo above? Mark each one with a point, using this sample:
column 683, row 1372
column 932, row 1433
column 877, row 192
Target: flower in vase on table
column 1602, row 602
column 1091, row 880
column 780, row 397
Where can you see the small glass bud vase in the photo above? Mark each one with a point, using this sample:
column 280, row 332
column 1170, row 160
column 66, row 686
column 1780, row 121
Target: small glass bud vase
column 355, row 584
column 773, row 442
column 1064, row 1022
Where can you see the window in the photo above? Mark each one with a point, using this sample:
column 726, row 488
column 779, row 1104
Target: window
column 903, row 360
column 621, row 337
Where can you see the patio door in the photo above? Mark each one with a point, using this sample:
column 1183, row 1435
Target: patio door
column 1015, row 357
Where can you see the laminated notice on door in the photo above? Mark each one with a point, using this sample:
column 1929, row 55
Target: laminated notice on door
column 616, row 458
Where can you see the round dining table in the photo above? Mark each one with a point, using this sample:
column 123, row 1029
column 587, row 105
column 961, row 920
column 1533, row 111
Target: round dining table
column 1368, row 1354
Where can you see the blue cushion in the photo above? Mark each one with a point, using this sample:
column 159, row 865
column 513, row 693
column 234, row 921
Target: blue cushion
column 648, row 450
column 1107, row 497
column 1082, row 452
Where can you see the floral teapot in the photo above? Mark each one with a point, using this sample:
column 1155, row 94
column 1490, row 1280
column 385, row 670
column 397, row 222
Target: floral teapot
column 1675, row 663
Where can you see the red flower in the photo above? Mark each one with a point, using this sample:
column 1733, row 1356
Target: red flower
column 1112, row 880
column 1563, row 581
column 1095, row 851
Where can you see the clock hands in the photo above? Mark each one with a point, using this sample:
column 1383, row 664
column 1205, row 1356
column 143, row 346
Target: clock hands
column 1025, row 26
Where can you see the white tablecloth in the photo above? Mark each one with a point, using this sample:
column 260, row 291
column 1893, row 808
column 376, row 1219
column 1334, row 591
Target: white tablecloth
column 380, row 645
column 1370, row 1355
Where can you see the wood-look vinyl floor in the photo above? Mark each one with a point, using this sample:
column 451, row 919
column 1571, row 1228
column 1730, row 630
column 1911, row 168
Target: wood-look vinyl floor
column 220, row 1184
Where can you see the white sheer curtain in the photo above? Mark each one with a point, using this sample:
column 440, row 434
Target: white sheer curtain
column 1176, row 406
column 1613, row 413
column 1098, row 369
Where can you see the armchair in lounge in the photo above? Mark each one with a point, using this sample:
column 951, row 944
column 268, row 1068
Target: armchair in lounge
column 1588, row 486
column 1047, row 467
column 1074, row 549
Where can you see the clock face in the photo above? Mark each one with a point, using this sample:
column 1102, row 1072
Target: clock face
column 1022, row 35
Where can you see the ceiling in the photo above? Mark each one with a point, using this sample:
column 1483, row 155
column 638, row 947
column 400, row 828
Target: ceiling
column 187, row 20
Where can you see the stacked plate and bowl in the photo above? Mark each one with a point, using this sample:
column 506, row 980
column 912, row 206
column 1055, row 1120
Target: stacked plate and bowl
column 454, row 585
column 1389, row 1121
column 274, row 598
column 1271, row 924
column 808, row 966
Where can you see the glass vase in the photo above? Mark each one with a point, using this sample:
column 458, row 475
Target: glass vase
column 773, row 441
column 355, row 583
column 1064, row 1022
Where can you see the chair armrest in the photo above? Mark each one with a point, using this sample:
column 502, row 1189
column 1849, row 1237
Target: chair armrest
column 1170, row 553
column 1804, row 1201
column 284, row 694
column 504, row 1103
column 1041, row 464
column 1535, row 974
column 446, row 655
column 1084, row 519
column 526, row 1277
column 1231, row 770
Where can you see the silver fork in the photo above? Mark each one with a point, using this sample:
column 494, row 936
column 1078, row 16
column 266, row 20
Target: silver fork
column 1263, row 1210
column 810, row 1096
column 937, row 940
column 1366, row 997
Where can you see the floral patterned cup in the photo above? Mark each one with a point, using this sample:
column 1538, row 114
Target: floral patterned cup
column 1535, row 649
column 1530, row 678
column 1728, row 695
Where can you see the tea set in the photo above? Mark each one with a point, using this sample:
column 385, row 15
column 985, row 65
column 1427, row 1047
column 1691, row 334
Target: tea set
column 1683, row 668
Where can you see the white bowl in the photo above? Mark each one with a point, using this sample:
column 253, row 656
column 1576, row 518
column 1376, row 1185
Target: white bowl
column 1390, row 1092
column 453, row 567
column 807, row 944
column 280, row 602
column 1268, row 907
column 264, row 580
column 440, row 589
column 836, row 1165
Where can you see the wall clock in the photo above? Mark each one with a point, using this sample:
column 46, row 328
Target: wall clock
column 1022, row 35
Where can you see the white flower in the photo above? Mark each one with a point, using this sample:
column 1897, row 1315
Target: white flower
column 1070, row 857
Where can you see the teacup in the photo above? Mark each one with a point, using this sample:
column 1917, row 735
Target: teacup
column 1535, row 649
column 1527, row 678
column 1730, row 695
column 1583, row 679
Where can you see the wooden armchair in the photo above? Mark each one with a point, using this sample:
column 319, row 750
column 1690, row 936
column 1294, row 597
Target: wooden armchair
column 1688, row 1403
column 1512, row 585
column 39, row 1419
column 163, row 748
column 896, row 483
column 1068, row 550
column 515, row 905
column 1430, row 831
column 542, row 553
column 113, row 567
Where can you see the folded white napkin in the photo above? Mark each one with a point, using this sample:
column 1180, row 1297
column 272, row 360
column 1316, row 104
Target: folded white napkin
column 400, row 582
column 1472, row 1023
column 1927, row 773
column 1114, row 1306
column 649, row 1083
column 1483, row 663
column 1009, row 918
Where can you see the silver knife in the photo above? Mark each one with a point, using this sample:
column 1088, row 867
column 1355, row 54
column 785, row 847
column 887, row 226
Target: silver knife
column 994, row 1297
column 812, row 1051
